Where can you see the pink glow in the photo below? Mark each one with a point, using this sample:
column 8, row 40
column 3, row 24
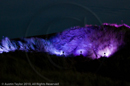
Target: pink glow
column 91, row 40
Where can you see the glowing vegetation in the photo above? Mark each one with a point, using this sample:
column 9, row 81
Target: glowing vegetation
column 90, row 41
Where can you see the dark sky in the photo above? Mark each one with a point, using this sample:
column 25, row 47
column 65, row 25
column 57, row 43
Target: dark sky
column 19, row 18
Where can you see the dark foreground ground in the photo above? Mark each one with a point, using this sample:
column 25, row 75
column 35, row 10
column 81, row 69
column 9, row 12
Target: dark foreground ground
column 36, row 67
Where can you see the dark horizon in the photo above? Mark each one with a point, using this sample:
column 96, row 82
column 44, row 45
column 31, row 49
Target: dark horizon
column 38, row 17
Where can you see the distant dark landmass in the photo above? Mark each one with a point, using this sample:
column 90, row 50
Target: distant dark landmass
column 41, row 67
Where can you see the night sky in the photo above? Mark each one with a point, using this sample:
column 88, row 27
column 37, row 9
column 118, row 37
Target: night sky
column 20, row 18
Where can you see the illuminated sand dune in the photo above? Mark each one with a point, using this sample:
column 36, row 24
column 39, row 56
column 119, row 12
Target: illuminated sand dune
column 90, row 41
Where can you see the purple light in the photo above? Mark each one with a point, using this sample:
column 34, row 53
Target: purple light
column 90, row 40
column 78, row 52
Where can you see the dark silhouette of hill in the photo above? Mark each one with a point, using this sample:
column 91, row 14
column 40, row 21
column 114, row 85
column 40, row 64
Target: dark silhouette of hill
column 15, row 67
column 21, row 66
column 47, row 36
